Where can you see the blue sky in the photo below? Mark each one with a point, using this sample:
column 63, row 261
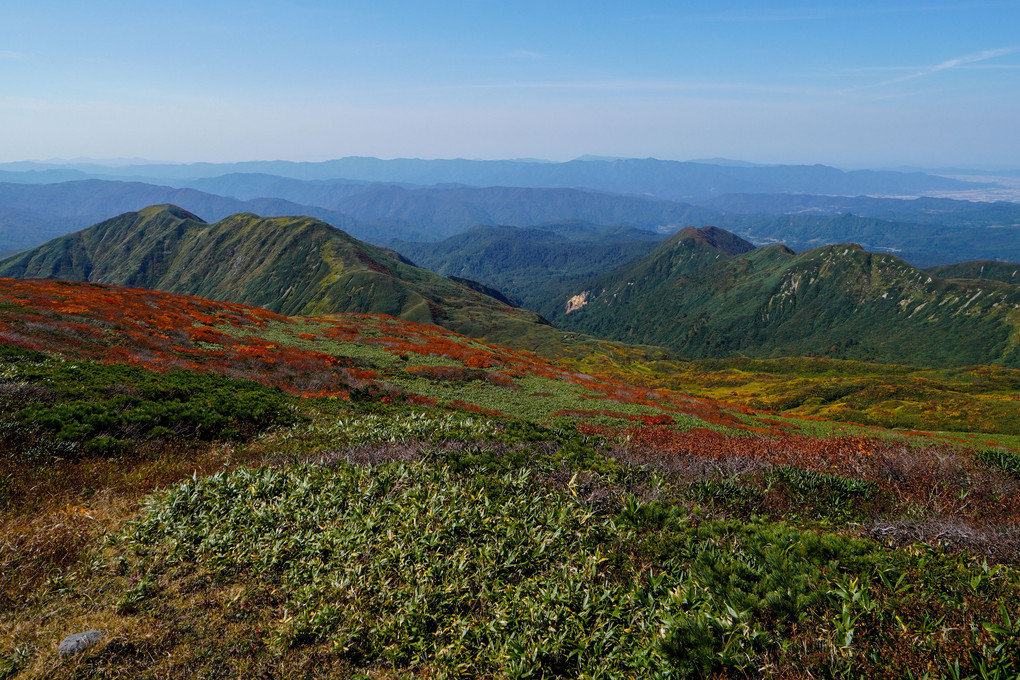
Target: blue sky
column 874, row 84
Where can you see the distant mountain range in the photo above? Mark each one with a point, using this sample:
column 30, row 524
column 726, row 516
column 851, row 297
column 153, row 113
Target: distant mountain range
column 31, row 214
column 920, row 244
column 705, row 292
column 290, row 265
column 433, row 213
column 541, row 234
column 924, row 231
column 924, row 210
column 672, row 180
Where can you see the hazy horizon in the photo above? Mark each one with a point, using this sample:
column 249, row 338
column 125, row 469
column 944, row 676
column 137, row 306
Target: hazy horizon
column 875, row 84
column 122, row 163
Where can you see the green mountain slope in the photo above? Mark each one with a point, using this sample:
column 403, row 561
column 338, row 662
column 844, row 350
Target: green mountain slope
column 290, row 265
column 1007, row 272
column 705, row 295
column 534, row 266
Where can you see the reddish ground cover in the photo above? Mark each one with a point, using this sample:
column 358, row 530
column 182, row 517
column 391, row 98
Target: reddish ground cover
column 162, row 331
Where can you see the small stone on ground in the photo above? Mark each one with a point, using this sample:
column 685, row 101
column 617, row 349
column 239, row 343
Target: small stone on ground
column 79, row 642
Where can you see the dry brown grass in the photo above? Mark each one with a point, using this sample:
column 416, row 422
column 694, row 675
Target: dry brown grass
column 55, row 515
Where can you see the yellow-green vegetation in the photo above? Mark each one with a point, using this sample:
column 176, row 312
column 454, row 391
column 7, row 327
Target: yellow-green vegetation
column 445, row 545
column 231, row 493
column 972, row 399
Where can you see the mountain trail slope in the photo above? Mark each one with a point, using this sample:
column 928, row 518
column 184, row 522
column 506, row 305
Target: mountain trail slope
column 289, row 265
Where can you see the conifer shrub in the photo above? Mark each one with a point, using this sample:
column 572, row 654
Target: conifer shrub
column 105, row 408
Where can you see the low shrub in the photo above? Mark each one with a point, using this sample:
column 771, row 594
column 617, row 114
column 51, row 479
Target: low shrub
column 1007, row 461
column 107, row 407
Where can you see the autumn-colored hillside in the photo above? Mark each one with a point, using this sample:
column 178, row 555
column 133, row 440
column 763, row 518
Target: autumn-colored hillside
column 329, row 356
column 290, row 265
column 228, row 492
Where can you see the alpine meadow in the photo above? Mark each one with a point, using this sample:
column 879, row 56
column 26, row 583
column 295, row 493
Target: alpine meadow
column 454, row 341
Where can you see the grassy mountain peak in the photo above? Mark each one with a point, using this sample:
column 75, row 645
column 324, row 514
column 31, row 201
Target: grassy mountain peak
column 717, row 238
column 289, row 265
column 839, row 301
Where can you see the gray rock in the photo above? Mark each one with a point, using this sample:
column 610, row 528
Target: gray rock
column 79, row 642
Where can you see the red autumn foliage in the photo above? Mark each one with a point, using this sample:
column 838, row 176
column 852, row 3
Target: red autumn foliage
column 465, row 406
column 161, row 331
column 443, row 372
column 421, row 400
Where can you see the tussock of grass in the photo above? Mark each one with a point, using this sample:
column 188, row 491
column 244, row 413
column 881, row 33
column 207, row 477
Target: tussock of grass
column 1007, row 461
column 414, row 568
column 517, row 550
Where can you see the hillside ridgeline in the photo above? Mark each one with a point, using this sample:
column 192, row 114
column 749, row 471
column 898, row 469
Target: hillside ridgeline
column 706, row 295
column 289, row 265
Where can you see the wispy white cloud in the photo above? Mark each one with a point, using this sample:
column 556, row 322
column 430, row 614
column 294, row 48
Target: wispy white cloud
column 12, row 55
column 957, row 62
